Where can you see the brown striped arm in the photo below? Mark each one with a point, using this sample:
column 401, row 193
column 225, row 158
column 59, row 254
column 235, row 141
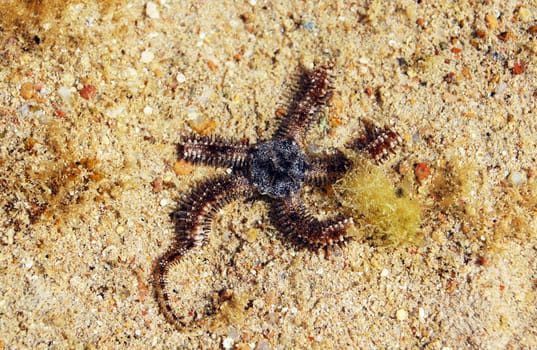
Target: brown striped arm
column 326, row 169
column 312, row 93
column 377, row 142
column 291, row 217
column 214, row 151
column 193, row 223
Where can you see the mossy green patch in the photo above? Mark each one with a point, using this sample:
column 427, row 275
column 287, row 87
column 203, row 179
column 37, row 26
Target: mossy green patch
column 383, row 213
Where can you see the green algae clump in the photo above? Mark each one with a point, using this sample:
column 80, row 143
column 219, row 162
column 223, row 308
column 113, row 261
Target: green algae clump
column 381, row 212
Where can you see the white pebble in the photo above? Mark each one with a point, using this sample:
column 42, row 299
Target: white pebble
column 384, row 273
column 421, row 313
column 147, row 56
column 517, row 178
column 180, row 78
column 151, row 10
column 29, row 264
column 163, row 202
column 65, row 93
column 227, row 343
column 401, row 315
column 115, row 112
column 148, row 110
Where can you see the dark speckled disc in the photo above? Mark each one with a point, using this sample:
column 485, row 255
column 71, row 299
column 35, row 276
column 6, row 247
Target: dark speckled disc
column 277, row 168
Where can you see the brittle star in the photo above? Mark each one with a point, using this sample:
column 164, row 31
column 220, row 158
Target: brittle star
column 274, row 170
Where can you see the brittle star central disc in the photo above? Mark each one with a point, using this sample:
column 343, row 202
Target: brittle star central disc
column 278, row 168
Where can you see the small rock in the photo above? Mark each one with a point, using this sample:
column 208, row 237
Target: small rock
column 110, row 254
column 148, row 110
column 147, row 56
column 421, row 312
column 401, row 314
column 88, row 92
column 251, row 235
column 227, row 343
column 65, row 93
column 517, row 178
column 180, row 78
column 492, row 21
column 27, row 91
column 151, row 10
column 182, row 167
column 158, row 185
column 422, row 172
column 524, row 14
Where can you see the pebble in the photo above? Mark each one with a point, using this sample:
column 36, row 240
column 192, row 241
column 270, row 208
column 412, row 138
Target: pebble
column 182, row 167
column 88, row 92
column 148, row 110
column 422, row 172
column 180, row 78
column 517, row 178
column 492, row 21
column 151, row 10
column 65, row 93
column 28, row 264
column 421, row 313
column 227, row 343
column 401, row 314
column 27, row 91
column 524, row 14
column 115, row 112
column 251, row 235
column 147, row 56
column 110, row 254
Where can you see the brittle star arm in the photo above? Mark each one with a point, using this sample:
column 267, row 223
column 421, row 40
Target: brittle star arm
column 214, row 151
column 377, row 142
column 326, row 169
column 193, row 221
column 313, row 92
column 291, row 217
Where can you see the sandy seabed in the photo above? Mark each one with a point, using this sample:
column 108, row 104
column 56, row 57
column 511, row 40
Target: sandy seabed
column 94, row 97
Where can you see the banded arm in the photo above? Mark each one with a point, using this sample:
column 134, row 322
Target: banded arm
column 193, row 221
column 326, row 169
column 377, row 142
column 214, row 151
column 313, row 92
column 292, row 218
